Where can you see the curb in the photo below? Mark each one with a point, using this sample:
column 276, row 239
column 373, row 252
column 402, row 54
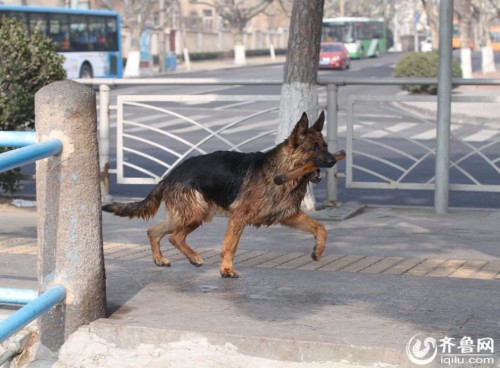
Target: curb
column 424, row 113
column 225, row 67
column 287, row 350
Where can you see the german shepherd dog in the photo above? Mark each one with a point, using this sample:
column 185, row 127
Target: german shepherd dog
column 239, row 185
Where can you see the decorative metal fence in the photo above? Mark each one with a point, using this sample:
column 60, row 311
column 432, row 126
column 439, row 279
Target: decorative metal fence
column 402, row 158
column 175, row 135
column 401, row 148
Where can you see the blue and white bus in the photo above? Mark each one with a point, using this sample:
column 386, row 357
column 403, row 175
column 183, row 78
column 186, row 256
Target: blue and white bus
column 90, row 40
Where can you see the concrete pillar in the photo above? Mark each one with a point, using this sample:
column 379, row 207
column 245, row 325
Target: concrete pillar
column 70, row 249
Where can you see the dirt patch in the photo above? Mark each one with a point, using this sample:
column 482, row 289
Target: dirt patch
column 5, row 202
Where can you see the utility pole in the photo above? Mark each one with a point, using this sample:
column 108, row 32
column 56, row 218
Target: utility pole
column 441, row 190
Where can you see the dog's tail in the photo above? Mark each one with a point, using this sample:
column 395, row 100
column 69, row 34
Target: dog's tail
column 144, row 209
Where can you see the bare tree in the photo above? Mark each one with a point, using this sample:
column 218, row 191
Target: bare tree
column 286, row 6
column 299, row 90
column 496, row 6
column 237, row 14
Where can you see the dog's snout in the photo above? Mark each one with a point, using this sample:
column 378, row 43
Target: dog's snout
column 326, row 160
column 330, row 160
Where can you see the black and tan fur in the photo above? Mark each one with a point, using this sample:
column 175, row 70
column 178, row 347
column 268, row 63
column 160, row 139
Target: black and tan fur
column 240, row 185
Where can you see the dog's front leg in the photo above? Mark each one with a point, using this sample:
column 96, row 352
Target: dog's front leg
column 233, row 233
column 303, row 222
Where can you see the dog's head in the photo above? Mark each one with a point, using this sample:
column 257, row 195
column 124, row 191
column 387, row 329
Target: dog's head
column 308, row 143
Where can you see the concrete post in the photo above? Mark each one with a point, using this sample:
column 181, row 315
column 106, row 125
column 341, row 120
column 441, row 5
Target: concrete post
column 70, row 249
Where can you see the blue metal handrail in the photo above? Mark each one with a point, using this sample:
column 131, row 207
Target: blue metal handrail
column 17, row 139
column 29, row 152
column 31, row 311
column 17, row 296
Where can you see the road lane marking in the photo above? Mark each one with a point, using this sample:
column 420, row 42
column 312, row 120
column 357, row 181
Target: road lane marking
column 481, row 136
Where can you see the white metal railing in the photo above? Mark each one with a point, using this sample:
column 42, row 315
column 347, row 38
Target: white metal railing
column 333, row 107
column 185, row 146
column 356, row 153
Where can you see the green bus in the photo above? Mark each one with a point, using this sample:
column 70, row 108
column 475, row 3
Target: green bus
column 363, row 37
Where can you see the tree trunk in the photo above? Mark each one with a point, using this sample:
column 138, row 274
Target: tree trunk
column 132, row 67
column 487, row 60
column 432, row 21
column 487, row 54
column 239, row 47
column 465, row 52
column 299, row 90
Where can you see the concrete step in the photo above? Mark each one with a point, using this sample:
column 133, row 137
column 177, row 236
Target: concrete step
column 294, row 315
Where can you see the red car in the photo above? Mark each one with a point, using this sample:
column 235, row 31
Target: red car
column 334, row 55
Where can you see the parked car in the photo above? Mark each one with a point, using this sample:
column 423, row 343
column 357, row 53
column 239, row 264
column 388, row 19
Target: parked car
column 334, row 55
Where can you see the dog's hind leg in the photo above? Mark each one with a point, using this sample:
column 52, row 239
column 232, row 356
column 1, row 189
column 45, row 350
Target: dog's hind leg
column 303, row 222
column 178, row 240
column 233, row 233
column 155, row 234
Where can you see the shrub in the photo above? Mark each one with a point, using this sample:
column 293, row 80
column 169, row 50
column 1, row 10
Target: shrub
column 422, row 65
column 27, row 63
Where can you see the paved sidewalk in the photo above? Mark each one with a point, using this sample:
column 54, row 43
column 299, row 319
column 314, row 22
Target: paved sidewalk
column 387, row 275
column 203, row 65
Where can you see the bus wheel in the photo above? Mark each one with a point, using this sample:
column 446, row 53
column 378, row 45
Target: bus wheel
column 86, row 71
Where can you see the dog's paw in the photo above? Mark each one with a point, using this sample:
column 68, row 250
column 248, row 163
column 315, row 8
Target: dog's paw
column 162, row 262
column 197, row 262
column 229, row 274
column 317, row 252
column 314, row 256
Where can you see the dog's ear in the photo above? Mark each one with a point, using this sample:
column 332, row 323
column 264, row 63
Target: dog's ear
column 299, row 132
column 318, row 125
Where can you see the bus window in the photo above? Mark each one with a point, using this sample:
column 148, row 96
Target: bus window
column 337, row 33
column 59, row 31
column 78, row 33
column 112, row 34
column 97, row 31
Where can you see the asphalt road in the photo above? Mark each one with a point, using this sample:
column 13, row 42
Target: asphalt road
column 372, row 125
